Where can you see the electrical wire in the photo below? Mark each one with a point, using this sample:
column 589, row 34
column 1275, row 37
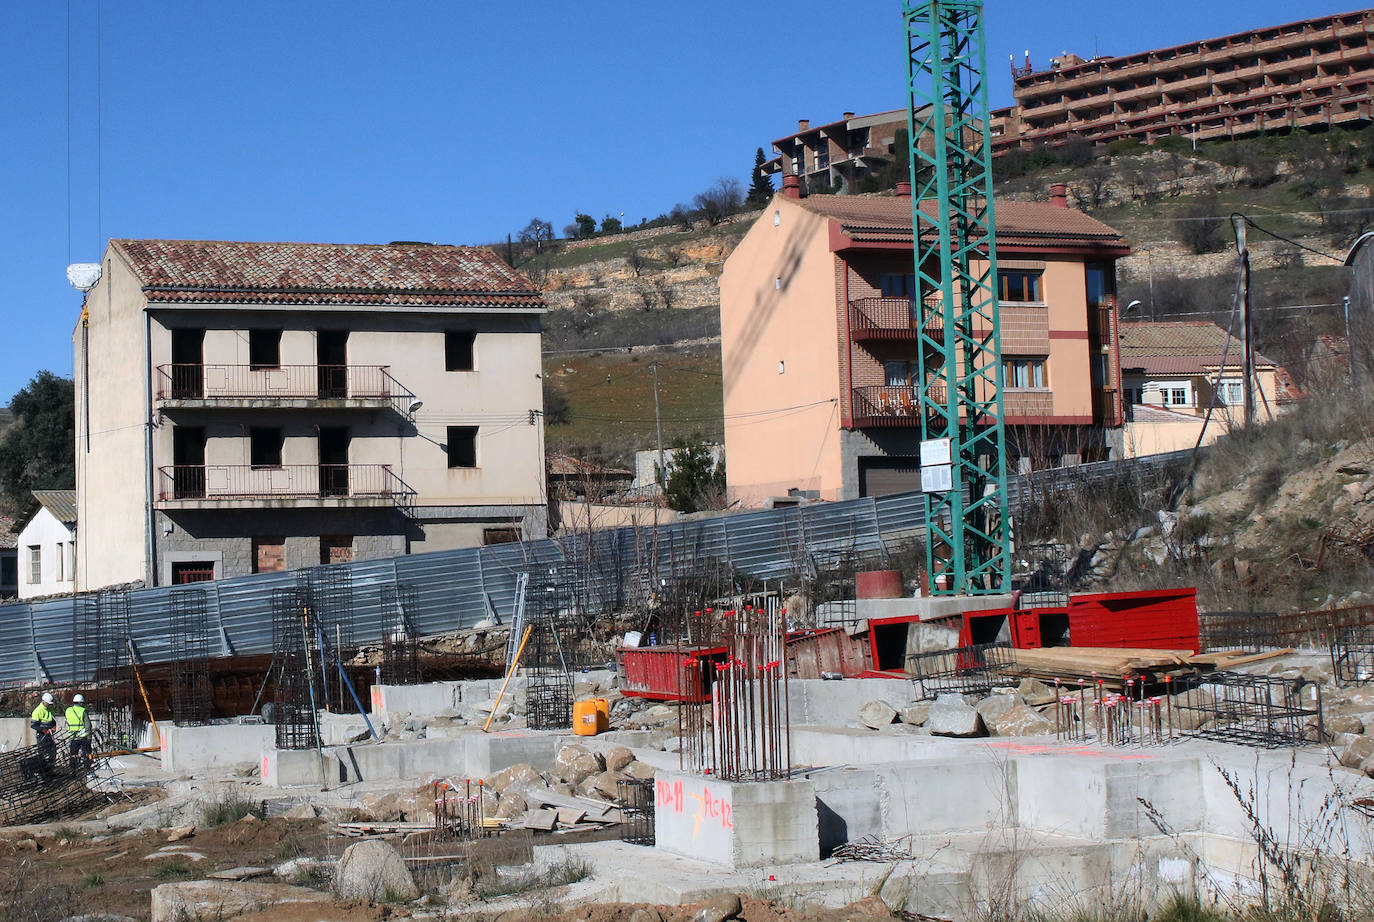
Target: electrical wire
column 749, row 415
column 1278, row 236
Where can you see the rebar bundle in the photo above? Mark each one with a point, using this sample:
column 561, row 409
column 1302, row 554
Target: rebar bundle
column 459, row 813
column 970, row 670
column 42, row 783
column 312, row 631
column 400, row 640
column 550, row 614
column 1264, row 711
column 103, row 661
column 190, row 649
column 636, row 796
column 1352, row 656
column 1088, row 712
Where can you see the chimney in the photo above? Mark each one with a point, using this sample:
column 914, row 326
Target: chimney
column 803, row 124
column 848, row 116
column 791, row 185
column 1059, row 195
column 903, row 190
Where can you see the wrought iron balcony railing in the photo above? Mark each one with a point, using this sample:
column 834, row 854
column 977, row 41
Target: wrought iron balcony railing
column 890, row 406
column 212, row 383
column 227, row 482
column 890, row 318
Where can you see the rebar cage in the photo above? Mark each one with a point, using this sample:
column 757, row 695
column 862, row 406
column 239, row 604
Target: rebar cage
column 400, row 643
column 970, row 670
column 312, row 633
column 550, row 615
column 103, row 660
column 45, row 782
column 190, row 657
column 636, row 796
column 1263, row 711
column 1352, row 656
column 1239, row 631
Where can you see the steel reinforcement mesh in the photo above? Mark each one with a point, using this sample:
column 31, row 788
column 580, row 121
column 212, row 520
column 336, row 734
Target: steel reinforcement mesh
column 190, row 660
column 1263, row 711
column 636, row 796
column 400, row 642
column 1352, row 656
column 103, row 649
column 44, row 782
column 971, row 670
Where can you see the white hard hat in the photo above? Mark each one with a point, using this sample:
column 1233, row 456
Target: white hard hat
column 47, row 697
column 78, row 699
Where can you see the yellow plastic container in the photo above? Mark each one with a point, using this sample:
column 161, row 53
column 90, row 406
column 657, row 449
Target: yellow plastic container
column 591, row 716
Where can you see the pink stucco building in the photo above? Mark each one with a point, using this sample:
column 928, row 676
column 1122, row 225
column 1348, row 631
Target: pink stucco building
column 819, row 345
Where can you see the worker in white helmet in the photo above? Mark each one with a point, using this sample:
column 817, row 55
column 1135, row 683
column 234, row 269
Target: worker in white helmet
column 79, row 732
column 44, row 722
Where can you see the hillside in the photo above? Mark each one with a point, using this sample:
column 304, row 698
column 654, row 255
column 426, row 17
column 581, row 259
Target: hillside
column 658, row 286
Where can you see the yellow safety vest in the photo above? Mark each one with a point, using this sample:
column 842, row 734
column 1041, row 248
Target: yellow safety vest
column 42, row 715
column 76, row 721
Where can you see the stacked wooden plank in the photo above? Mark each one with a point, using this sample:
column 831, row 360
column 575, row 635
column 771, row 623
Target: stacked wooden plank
column 1113, row 665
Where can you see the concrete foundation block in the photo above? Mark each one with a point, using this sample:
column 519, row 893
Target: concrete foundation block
column 288, row 767
column 195, row 749
column 756, row 824
column 488, row 753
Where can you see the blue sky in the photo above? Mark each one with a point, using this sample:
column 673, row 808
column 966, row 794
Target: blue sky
column 446, row 121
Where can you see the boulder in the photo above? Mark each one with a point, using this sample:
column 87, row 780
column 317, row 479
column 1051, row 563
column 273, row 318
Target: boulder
column 877, row 714
column 1021, row 720
column 915, row 714
column 643, row 914
column 951, row 715
column 638, row 769
column 618, row 758
column 606, row 784
column 374, row 870
column 180, row 832
column 1035, row 693
column 522, row 776
column 299, row 867
column 223, row 899
column 994, row 706
column 1357, row 751
column 302, row 811
column 575, row 763
column 511, row 806
column 718, row 909
column 1344, row 723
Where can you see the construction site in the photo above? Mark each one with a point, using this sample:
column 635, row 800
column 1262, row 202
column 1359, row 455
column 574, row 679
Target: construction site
column 850, row 710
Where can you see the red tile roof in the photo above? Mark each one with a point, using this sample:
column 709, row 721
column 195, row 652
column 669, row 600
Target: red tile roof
column 888, row 217
column 218, row 271
column 1179, row 347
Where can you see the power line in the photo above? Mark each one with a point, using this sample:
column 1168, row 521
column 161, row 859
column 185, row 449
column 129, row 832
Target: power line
column 1278, row 236
column 718, row 417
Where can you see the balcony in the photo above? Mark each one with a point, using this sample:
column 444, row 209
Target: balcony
column 890, row 318
column 889, row 407
column 280, row 387
column 315, row 486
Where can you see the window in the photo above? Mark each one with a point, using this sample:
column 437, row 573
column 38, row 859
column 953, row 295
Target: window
column 462, row 446
column 1176, row 396
column 1232, row 393
column 269, row 555
column 192, row 572
column 1100, row 278
column 57, row 562
column 35, row 565
column 896, row 285
column 336, row 549
column 900, row 374
column 459, row 351
column 500, row 535
column 71, row 560
column 1024, row 372
column 264, row 349
column 1019, row 285
column 264, row 447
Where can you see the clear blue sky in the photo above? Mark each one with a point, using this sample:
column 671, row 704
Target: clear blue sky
column 448, row 121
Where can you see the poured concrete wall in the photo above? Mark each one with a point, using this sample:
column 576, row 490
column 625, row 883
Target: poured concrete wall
column 190, row 749
column 739, row 825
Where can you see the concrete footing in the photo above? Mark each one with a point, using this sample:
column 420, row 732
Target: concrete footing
column 190, row 749
column 738, row 825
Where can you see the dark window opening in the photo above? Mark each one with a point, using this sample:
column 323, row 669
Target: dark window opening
column 508, row 535
column 459, row 350
column 264, row 447
column 192, row 572
column 462, row 446
column 896, row 285
column 264, row 349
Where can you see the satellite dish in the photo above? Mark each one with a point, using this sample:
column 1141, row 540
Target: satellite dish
column 83, row 276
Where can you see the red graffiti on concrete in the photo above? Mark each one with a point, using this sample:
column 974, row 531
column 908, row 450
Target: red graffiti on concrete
column 669, row 795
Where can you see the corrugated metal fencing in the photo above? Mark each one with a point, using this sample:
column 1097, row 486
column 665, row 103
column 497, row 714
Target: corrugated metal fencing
column 458, row 589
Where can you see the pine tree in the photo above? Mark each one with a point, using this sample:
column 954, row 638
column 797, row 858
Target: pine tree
column 760, row 187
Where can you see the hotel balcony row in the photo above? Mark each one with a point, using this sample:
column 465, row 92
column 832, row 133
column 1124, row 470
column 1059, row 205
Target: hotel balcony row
column 305, row 486
column 186, row 386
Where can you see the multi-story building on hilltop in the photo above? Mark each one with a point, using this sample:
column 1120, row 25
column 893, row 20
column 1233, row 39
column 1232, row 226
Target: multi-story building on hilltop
column 1316, row 73
column 838, row 154
column 245, row 407
column 819, row 343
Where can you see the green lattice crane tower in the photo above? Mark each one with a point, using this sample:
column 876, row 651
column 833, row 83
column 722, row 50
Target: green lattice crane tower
column 968, row 532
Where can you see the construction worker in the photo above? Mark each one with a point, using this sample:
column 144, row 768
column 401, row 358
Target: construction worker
column 44, row 722
column 79, row 729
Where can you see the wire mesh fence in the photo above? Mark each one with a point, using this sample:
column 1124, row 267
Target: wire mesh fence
column 1239, row 631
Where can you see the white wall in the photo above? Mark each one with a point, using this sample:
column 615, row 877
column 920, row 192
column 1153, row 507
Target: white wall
column 56, row 556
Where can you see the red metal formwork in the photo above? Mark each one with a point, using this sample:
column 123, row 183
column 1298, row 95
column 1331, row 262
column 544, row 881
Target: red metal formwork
column 667, row 673
column 1161, row 619
column 831, row 650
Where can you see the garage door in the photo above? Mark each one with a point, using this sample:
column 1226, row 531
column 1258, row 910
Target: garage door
column 881, row 476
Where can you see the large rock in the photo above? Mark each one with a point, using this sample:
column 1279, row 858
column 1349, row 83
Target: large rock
column 994, row 706
column 607, row 785
column 877, row 714
column 213, row 900
column 1344, row 723
column 638, row 769
column 718, row 909
column 618, row 758
column 373, row 870
column 576, row 763
column 1034, row 692
column 951, row 715
column 1356, row 751
column 1020, row 720
column 520, row 776
column 915, row 714
column 512, row 805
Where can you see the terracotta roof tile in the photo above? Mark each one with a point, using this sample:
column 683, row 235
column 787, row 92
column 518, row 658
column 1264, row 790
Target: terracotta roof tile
column 888, row 217
column 216, row 271
column 1179, row 347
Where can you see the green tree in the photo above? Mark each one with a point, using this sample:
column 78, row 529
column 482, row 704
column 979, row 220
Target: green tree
column 38, row 452
column 760, row 187
column 610, row 225
column 694, row 481
column 583, row 226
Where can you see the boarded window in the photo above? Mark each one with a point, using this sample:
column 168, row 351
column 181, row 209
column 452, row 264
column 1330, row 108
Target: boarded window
column 462, row 446
column 459, row 350
column 269, row 555
column 336, row 549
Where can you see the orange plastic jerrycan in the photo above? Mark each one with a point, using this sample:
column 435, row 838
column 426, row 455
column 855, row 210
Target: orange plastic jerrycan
column 591, row 716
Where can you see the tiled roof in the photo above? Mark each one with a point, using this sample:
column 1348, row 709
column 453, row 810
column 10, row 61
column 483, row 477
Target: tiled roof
column 1179, row 347
column 888, row 217
column 216, row 271
column 568, row 466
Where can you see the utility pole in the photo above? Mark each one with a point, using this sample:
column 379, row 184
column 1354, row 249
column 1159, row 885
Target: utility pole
column 1246, row 328
column 658, row 425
